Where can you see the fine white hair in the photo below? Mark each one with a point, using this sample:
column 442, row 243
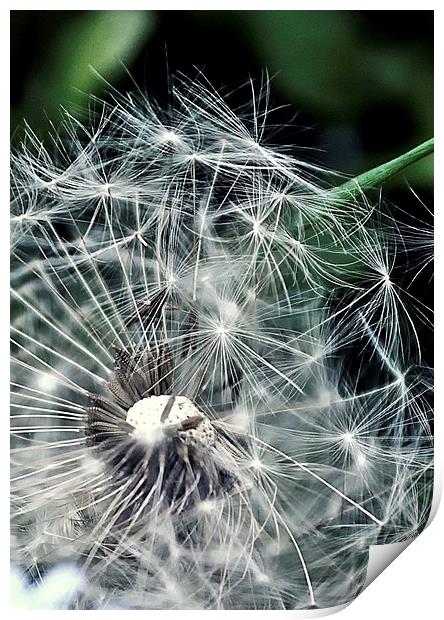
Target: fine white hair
column 219, row 394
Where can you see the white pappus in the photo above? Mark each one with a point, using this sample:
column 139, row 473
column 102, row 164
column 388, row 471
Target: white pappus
column 218, row 394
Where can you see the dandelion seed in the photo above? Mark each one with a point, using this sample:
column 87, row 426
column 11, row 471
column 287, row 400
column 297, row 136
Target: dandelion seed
column 347, row 438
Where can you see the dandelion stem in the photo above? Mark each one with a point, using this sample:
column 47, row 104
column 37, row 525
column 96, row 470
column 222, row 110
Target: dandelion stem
column 376, row 176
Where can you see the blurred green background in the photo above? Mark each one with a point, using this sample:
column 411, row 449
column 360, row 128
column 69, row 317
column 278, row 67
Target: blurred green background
column 359, row 83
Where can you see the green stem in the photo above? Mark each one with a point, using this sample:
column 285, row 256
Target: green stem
column 376, row 176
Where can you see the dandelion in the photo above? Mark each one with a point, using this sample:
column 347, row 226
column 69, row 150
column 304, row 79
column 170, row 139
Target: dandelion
column 219, row 399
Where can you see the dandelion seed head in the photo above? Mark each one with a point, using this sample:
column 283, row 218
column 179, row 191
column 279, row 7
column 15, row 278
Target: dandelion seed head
column 207, row 397
column 151, row 426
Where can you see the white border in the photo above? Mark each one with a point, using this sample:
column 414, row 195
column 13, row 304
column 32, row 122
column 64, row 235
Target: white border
column 412, row 585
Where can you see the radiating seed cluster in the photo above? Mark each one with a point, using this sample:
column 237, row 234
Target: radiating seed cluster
column 220, row 396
